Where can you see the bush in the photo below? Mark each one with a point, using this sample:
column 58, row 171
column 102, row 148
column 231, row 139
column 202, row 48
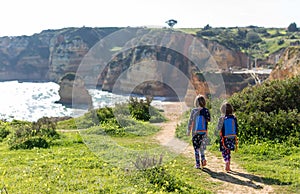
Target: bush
column 147, row 161
column 280, row 42
column 104, row 114
column 139, row 109
column 269, row 111
column 292, row 27
column 29, row 143
column 152, row 171
column 4, row 130
column 253, row 37
column 36, row 134
column 45, row 126
column 208, row 32
column 156, row 116
column 3, row 133
column 162, row 181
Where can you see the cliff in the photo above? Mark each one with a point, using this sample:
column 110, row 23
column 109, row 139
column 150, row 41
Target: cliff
column 48, row 55
column 288, row 64
column 158, row 62
column 162, row 63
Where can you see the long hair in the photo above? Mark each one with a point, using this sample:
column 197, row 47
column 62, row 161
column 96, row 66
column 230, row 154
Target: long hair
column 226, row 109
column 200, row 101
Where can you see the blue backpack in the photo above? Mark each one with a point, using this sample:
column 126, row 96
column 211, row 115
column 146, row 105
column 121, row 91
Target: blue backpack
column 200, row 123
column 229, row 127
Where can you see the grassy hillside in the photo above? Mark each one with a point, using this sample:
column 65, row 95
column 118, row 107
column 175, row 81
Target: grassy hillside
column 100, row 156
column 105, row 156
column 257, row 42
column 69, row 166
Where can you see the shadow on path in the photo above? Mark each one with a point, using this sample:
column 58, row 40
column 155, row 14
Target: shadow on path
column 239, row 178
column 267, row 181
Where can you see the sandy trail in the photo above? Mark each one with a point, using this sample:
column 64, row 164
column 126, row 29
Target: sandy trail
column 237, row 181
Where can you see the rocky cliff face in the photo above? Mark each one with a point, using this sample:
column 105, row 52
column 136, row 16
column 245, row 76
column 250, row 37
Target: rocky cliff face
column 49, row 55
column 288, row 64
column 52, row 53
column 46, row 56
column 166, row 63
column 24, row 58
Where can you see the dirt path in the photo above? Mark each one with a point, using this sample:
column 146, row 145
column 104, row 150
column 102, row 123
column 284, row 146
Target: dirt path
column 237, row 181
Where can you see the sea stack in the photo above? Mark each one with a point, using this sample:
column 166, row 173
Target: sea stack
column 73, row 92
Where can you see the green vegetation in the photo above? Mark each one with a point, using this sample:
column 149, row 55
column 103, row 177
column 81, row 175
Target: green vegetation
column 269, row 120
column 68, row 165
column 278, row 164
column 257, row 42
column 269, row 125
column 26, row 135
column 269, row 111
column 139, row 108
column 113, row 152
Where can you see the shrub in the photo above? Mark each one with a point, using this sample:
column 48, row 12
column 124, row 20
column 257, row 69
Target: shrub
column 36, row 134
column 104, row 114
column 139, row 109
column 29, row 143
column 280, row 42
column 269, row 111
column 3, row 133
column 45, row 126
column 152, row 171
column 207, row 32
column 292, row 27
column 253, row 37
column 111, row 127
column 147, row 161
column 4, row 130
column 156, row 116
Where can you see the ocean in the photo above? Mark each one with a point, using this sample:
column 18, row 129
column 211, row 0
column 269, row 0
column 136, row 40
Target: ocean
column 30, row 101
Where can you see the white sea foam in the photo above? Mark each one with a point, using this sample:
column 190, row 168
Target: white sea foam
column 31, row 101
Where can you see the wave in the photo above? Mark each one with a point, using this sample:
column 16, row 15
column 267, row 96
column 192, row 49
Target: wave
column 30, row 101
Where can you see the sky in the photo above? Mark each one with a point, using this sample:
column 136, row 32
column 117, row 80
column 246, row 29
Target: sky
column 26, row 17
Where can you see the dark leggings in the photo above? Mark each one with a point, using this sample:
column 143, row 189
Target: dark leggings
column 226, row 155
column 199, row 148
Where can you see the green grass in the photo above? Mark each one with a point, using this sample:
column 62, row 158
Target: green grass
column 272, row 164
column 278, row 164
column 67, row 124
column 92, row 162
column 275, row 164
column 71, row 166
column 189, row 30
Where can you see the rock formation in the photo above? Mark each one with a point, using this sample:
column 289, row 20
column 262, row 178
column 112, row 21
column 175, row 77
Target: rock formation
column 288, row 64
column 49, row 55
column 72, row 92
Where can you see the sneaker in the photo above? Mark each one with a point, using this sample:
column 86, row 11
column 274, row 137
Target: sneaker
column 203, row 162
column 197, row 166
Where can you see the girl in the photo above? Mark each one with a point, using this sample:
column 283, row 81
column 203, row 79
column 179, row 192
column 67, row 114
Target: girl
column 199, row 130
column 228, row 128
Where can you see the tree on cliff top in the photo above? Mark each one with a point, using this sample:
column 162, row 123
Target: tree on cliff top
column 292, row 27
column 171, row 22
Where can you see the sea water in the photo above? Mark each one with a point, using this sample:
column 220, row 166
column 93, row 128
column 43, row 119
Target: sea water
column 30, row 101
